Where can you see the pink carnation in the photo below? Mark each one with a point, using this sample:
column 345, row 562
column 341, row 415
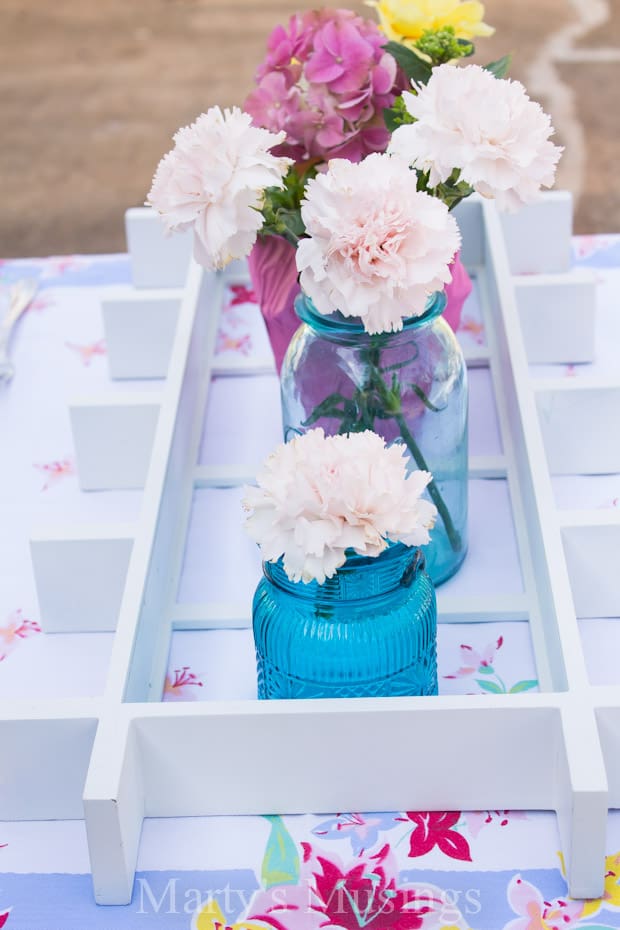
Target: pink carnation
column 213, row 181
column 376, row 246
column 488, row 128
column 318, row 496
column 325, row 81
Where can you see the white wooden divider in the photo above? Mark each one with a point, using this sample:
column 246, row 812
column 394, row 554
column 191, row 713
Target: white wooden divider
column 558, row 749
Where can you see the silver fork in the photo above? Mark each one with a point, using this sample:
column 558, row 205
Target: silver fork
column 20, row 296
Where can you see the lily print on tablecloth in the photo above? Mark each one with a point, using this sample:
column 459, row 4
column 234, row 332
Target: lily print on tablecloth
column 14, row 630
column 309, row 889
column 181, row 685
column 68, row 270
column 449, row 834
column 56, row 471
column 88, row 351
column 305, row 887
column 240, row 324
column 479, row 667
column 601, row 251
column 534, row 912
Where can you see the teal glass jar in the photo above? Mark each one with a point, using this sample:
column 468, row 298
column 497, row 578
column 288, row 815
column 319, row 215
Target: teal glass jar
column 369, row 631
column 409, row 387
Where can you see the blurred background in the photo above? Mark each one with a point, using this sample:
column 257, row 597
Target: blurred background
column 91, row 92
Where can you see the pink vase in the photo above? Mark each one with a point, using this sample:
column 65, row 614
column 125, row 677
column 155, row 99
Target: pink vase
column 274, row 279
column 457, row 292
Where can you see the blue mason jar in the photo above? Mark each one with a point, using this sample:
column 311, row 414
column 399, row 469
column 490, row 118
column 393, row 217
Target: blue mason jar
column 409, row 387
column 369, row 631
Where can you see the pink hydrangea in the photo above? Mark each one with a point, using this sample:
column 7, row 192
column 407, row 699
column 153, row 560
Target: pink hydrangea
column 325, row 81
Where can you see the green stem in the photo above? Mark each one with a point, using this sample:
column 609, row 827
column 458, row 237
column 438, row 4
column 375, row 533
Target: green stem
column 453, row 535
column 377, row 399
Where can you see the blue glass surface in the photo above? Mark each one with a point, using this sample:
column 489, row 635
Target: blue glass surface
column 369, row 631
column 409, row 387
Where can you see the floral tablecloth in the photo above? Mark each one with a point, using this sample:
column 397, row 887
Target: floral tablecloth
column 484, row 870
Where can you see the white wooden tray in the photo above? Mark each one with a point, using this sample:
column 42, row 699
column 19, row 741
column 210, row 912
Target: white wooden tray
column 125, row 753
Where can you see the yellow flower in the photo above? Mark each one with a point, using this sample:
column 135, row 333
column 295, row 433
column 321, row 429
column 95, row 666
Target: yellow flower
column 405, row 20
column 611, row 891
column 210, row 917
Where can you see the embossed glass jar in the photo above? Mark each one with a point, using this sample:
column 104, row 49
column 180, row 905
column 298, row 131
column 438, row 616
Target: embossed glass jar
column 409, row 387
column 369, row 631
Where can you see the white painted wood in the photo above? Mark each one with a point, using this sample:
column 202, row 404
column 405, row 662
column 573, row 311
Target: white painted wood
column 529, row 729
column 549, row 747
column 592, row 547
column 482, row 608
column 523, row 733
column 113, row 439
column 581, row 787
column 223, row 476
column 157, row 260
column 450, row 609
column 244, row 367
column 594, row 446
column 497, row 304
column 475, row 357
column 114, row 809
column 583, row 799
column 553, row 626
column 230, row 476
column 150, row 591
column 538, row 237
column 487, row 466
column 80, row 574
column 114, row 794
column 468, row 215
column 607, row 710
column 214, row 616
column 558, row 316
column 46, row 749
column 139, row 330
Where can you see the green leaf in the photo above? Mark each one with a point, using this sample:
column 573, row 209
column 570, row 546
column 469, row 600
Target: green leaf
column 491, row 686
column 500, row 67
column 328, row 408
column 523, row 686
column 469, row 47
column 424, row 398
column 486, row 670
column 397, row 115
column 393, row 118
column 452, row 192
column 281, row 859
column 282, row 207
column 413, row 66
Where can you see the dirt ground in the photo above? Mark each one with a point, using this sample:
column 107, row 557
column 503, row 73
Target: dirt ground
column 92, row 90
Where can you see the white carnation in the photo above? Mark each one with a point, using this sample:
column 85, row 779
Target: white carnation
column 214, row 179
column 377, row 247
column 488, row 128
column 318, row 496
